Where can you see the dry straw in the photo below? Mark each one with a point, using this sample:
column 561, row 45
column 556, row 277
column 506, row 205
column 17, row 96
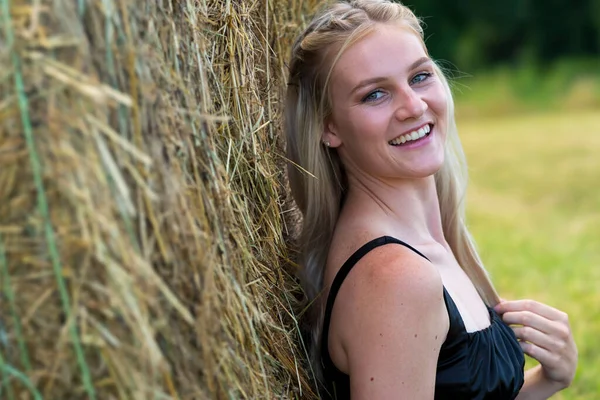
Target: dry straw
column 142, row 208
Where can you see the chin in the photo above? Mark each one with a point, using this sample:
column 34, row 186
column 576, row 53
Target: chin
column 431, row 166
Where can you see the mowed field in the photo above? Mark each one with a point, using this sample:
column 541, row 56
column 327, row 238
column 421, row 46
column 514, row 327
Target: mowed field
column 534, row 209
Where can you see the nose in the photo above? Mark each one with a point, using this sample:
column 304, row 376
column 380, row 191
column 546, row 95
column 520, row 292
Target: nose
column 410, row 105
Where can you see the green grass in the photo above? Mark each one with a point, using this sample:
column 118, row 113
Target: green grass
column 570, row 84
column 534, row 209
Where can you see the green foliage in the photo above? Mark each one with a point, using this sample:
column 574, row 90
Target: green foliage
column 474, row 34
column 533, row 209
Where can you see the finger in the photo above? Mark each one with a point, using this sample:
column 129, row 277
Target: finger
column 545, row 357
column 529, row 319
column 533, row 306
column 540, row 339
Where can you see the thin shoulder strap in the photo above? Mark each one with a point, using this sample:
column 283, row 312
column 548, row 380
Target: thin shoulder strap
column 339, row 279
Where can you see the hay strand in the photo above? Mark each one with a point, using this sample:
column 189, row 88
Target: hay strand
column 8, row 293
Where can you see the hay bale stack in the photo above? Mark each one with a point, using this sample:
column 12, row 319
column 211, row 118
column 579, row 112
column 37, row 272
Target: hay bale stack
column 142, row 241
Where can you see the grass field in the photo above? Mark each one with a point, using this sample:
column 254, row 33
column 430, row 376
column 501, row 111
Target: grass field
column 568, row 84
column 534, row 209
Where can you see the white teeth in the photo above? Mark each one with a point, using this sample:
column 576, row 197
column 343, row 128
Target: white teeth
column 414, row 135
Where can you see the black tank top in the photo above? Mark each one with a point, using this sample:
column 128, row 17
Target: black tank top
column 486, row 364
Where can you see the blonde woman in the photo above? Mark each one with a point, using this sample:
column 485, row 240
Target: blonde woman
column 402, row 307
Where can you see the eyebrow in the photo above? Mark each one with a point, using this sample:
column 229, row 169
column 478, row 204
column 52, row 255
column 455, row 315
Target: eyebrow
column 378, row 79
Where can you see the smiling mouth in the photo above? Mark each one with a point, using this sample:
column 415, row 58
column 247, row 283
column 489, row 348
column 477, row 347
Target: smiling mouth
column 412, row 136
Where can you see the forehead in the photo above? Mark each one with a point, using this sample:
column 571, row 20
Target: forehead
column 386, row 51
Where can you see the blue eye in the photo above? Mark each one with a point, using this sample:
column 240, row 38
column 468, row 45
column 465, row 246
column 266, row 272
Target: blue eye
column 421, row 77
column 373, row 96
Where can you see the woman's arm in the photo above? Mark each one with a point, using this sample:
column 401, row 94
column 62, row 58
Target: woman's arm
column 392, row 324
column 545, row 335
column 537, row 386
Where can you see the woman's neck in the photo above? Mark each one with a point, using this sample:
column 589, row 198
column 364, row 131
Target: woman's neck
column 408, row 207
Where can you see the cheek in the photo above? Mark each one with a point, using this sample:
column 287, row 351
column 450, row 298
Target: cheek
column 439, row 102
column 369, row 121
column 361, row 123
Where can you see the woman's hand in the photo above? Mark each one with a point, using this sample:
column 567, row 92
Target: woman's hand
column 545, row 335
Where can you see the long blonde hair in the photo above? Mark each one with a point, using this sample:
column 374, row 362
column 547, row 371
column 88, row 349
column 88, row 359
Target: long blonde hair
column 316, row 175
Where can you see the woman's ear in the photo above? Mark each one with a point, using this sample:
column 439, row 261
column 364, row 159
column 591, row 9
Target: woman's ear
column 330, row 135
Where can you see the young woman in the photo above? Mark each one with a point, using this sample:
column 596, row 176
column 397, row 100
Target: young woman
column 402, row 305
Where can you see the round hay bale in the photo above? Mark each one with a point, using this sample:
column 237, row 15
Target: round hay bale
column 143, row 244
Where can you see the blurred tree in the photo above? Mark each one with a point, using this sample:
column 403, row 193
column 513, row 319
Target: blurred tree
column 473, row 34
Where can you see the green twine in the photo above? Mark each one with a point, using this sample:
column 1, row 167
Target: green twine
column 122, row 118
column 81, row 7
column 7, row 369
column 5, row 382
column 43, row 208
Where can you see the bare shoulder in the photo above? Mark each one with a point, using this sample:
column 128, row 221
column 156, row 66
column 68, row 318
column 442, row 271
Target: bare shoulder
column 389, row 276
column 390, row 322
column 390, row 280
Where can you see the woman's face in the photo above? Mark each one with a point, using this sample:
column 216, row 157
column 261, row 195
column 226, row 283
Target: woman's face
column 389, row 107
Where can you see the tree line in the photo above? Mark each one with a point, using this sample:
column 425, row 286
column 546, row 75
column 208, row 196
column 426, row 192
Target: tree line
column 475, row 34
